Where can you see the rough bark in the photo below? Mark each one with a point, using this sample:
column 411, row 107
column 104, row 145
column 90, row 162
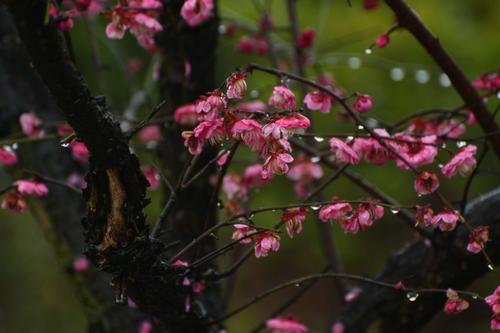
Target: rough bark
column 443, row 264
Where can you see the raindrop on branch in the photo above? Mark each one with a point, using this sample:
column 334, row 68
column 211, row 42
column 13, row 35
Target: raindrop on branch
column 461, row 144
column 395, row 210
column 412, row 296
column 397, row 74
column 319, row 139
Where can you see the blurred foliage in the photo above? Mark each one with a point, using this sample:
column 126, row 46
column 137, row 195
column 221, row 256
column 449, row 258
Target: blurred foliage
column 34, row 296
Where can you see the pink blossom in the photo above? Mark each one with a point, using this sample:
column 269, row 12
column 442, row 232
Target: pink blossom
column 208, row 107
column 7, row 157
column 304, row 170
column 252, row 177
column 210, row 130
column 282, row 98
column 251, row 107
column 493, row 301
column 451, row 128
column 31, row 187
column 246, row 44
column 293, row 218
column 400, row 285
column 363, row 103
column 198, row 287
column 277, row 164
column 81, row 264
column 236, row 85
column 243, row 232
column 382, row 41
column 31, row 125
column 180, row 263
column 446, row 220
column 478, row 239
column 131, row 304
column 223, row 157
column 233, row 186
column 337, row 211
column 352, row 294
column 424, row 215
column 152, row 175
column 463, row 162
column 306, row 38
column 195, row 12
column 284, row 126
column 338, row 327
column 79, row 151
column 250, row 132
column 265, row 243
column 14, row 202
column 193, row 144
column 416, row 151
column 318, row 100
column 471, row 118
column 372, row 150
column 426, row 183
column 367, row 213
column 77, row 180
column 285, row 325
column 64, row 129
column 186, row 115
column 145, row 327
column 487, row 81
column 342, row 152
column 150, row 134
column 64, row 19
column 454, row 304
column 495, row 323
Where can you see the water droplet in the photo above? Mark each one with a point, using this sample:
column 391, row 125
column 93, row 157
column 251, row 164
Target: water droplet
column 412, row 296
column 368, row 51
column 121, row 298
column 319, row 139
column 315, row 159
column 372, row 123
column 315, row 207
column 440, row 166
column 65, row 144
column 354, row 62
column 422, row 76
column 461, row 144
column 251, row 216
column 361, row 127
column 397, row 74
column 297, row 285
column 443, row 146
column 498, row 95
column 254, row 93
column 475, row 296
column 419, row 195
column 350, row 138
column 222, row 29
column 491, row 267
column 444, row 80
column 395, row 210
column 220, row 204
column 15, row 145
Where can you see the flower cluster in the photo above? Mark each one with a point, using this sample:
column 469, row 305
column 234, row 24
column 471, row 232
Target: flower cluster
column 493, row 301
column 14, row 201
column 352, row 220
column 454, row 304
column 264, row 242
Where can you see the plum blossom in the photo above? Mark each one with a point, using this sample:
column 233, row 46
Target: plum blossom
column 186, row 115
column 282, row 98
column 150, row 134
column 382, row 40
column 426, row 183
column 31, row 125
column 250, row 107
column 285, row 325
column 306, row 38
column 81, row 264
column 252, row 177
column 14, row 202
column 31, row 187
column 233, row 186
column 152, row 176
column 463, row 162
column 277, row 164
column 255, row 44
column 363, row 103
column 454, row 304
column 64, row 19
column 318, row 100
column 208, row 107
column 145, row 327
column 352, row 294
column 265, row 243
column 293, row 218
column 371, row 149
column 193, row 144
column 337, row 211
column 478, row 239
column 284, row 126
column 446, row 220
column 487, row 81
column 424, row 215
column 236, row 85
column 302, row 172
column 210, row 130
column 416, row 151
column 342, row 152
column 493, row 301
column 79, row 151
column 250, row 132
column 195, row 12
column 77, row 180
column 241, row 233
column 7, row 157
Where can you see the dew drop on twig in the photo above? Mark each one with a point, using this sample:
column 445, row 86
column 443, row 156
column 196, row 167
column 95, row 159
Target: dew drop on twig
column 412, row 296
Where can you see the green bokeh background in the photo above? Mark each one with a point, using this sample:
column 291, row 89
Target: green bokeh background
column 34, row 295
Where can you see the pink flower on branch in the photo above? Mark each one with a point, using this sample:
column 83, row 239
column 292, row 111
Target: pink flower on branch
column 236, row 85
column 454, row 304
column 446, row 220
column 282, row 98
column 318, row 100
column 293, row 218
column 276, row 164
column 266, row 243
column 31, row 125
column 7, row 157
column 241, row 233
column 342, row 152
column 306, row 38
column 14, row 202
column 195, row 12
column 426, row 183
column 464, row 162
column 31, row 187
column 186, row 115
column 285, row 325
column 363, row 103
column 478, row 239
